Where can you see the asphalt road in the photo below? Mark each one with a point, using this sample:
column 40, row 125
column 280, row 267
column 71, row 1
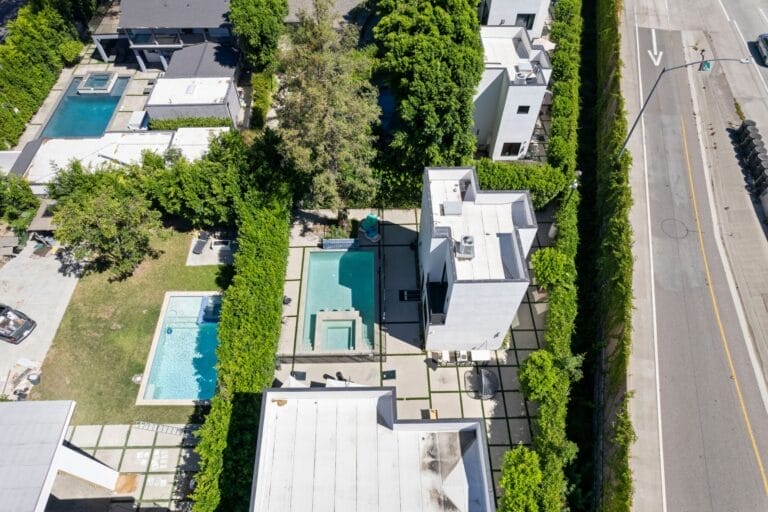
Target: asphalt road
column 714, row 426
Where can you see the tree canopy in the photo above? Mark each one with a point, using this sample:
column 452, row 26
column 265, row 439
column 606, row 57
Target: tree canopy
column 433, row 58
column 258, row 24
column 106, row 220
column 327, row 109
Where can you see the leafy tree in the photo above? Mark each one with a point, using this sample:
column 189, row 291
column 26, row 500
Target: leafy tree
column 327, row 109
column 17, row 202
column 258, row 24
column 109, row 224
column 433, row 57
column 520, row 480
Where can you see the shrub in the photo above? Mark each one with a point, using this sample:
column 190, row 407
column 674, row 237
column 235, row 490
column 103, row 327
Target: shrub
column 30, row 62
column 189, row 122
column 543, row 181
column 551, row 267
column 520, row 481
column 70, row 51
column 263, row 86
column 17, row 202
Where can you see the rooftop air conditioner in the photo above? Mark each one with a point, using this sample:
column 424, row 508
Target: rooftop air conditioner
column 466, row 248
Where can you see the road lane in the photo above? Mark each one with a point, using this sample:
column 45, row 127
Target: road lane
column 710, row 462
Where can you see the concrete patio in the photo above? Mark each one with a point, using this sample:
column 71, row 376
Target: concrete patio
column 421, row 385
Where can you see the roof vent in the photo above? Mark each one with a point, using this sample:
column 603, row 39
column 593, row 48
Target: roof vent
column 520, row 78
column 465, row 249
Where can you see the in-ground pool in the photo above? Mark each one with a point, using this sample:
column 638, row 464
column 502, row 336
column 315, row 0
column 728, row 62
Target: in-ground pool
column 339, row 305
column 84, row 115
column 182, row 361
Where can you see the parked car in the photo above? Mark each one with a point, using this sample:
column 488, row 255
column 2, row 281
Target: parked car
column 762, row 47
column 15, row 326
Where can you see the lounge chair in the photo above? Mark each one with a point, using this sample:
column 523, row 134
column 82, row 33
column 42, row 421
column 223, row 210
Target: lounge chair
column 199, row 246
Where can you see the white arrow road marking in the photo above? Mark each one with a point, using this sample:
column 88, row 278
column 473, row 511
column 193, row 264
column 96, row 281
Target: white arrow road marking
column 656, row 55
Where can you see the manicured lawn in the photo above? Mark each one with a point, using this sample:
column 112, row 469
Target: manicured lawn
column 105, row 336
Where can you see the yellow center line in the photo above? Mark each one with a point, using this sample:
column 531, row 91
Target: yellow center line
column 726, row 347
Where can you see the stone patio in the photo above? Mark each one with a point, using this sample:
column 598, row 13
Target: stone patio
column 420, row 386
column 155, row 467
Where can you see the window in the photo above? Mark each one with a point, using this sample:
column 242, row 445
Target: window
column 523, row 109
column 510, row 149
column 525, row 20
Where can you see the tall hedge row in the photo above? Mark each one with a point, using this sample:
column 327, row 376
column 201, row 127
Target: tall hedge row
column 36, row 48
column 615, row 261
column 543, row 181
column 248, row 333
column 565, row 84
column 547, row 376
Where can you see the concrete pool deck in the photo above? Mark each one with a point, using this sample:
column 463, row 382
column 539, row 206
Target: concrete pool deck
column 421, row 386
column 133, row 98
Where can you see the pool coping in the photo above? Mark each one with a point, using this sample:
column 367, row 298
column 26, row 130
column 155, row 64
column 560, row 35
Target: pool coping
column 374, row 351
column 64, row 90
column 140, row 400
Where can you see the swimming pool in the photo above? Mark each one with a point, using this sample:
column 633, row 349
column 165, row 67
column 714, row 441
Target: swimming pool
column 84, row 115
column 181, row 368
column 339, row 307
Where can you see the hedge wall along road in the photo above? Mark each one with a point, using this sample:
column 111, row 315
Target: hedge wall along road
column 615, row 262
column 30, row 62
column 248, row 335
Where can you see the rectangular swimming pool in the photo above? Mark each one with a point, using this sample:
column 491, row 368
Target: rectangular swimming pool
column 84, row 115
column 340, row 286
column 182, row 361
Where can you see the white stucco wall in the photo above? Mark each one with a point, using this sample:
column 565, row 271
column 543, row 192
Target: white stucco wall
column 513, row 127
column 504, row 12
column 479, row 315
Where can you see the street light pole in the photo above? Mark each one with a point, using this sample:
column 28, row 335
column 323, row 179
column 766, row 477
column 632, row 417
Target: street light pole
column 656, row 83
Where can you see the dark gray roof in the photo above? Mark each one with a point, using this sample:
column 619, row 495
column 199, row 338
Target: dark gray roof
column 30, row 434
column 203, row 60
column 173, row 13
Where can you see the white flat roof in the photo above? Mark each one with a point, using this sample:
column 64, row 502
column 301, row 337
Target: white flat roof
column 487, row 217
column 342, row 450
column 189, row 91
column 30, row 435
column 115, row 148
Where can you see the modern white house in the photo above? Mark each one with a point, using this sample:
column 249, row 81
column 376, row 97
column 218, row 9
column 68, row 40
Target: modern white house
column 529, row 14
column 511, row 91
column 344, row 450
column 473, row 247
column 33, row 452
column 200, row 82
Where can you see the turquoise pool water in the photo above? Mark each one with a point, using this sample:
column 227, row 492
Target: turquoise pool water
column 84, row 115
column 340, row 280
column 184, row 364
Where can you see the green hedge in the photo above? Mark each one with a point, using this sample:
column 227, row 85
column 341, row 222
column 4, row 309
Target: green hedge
column 248, row 333
column 615, row 262
column 263, row 85
column 544, row 182
column 556, row 360
column 31, row 58
column 189, row 122
column 565, row 84
column 18, row 204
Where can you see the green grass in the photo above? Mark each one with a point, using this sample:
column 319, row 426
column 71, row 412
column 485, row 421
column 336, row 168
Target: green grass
column 106, row 332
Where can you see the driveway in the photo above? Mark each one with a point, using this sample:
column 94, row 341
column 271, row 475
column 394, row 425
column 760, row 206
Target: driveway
column 35, row 286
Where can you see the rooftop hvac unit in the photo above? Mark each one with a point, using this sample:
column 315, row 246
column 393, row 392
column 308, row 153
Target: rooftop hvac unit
column 466, row 248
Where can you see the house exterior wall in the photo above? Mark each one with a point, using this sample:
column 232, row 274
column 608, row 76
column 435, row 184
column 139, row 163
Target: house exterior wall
column 478, row 317
column 494, row 128
column 505, row 12
column 229, row 109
